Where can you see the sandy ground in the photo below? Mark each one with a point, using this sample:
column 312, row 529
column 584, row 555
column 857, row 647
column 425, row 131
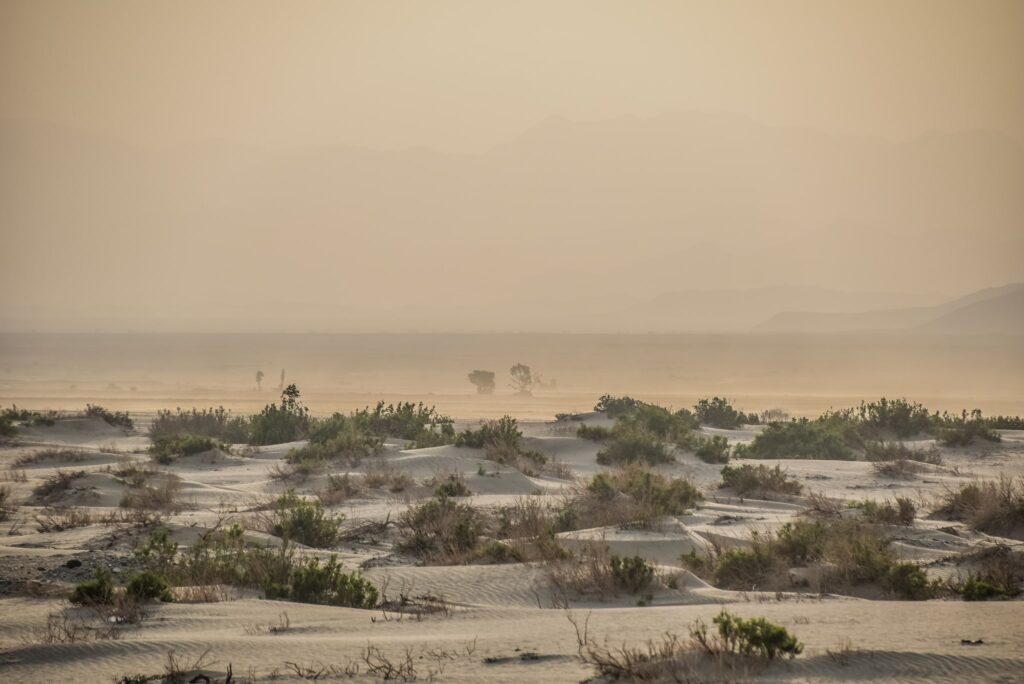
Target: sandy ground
column 503, row 625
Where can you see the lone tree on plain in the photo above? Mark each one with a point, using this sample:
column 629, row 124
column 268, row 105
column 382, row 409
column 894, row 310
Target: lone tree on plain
column 523, row 380
column 259, row 381
column 484, row 381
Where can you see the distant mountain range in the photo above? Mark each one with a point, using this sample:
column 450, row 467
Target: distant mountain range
column 683, row 222
column 992, row 310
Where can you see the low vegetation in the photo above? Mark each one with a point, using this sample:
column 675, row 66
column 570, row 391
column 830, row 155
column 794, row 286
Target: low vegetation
column 990, row 506
column 224, row 557
column 759, row 479
column 119, row 419
column 728, row 653
column 168, row 448
column 441, row 531
column 846, row 553
column 215, row 423
column 305, row 521
column 58, row 483
column 718, row 412
column 500, row 440
column 713, row 449
column 901, row 511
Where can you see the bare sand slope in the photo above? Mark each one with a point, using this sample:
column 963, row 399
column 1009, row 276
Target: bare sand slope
column 528, row 644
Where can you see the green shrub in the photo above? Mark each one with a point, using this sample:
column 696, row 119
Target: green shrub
column 718, row 412
column 502, row 432
column 908, row 581
column 713, row 450
column 900, row 512
column 277, row 424
column 976, row 589
column 404, row 420
column 95, row 592
column 326, row 583
column 631, row 574
column 217, row 423
column 888, row 452
column 115, row 418
column 452, row 486
column 829, row 438
column 897, row 417
column 149, row 586
column 616, row 406
column 753, row 636
column 304, row 521
column 594, row 433
column 7, row 428
column 346, row 442
column 748, row 478
column 166, row 448
column 440, row 530
column 962, row 430
column 657, row 494
column 632, row 443
column 1005, row 422
column 745, row 569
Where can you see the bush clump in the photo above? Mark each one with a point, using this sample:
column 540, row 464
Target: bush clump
column 991, row 506
column 898, row 512
column 631, row 574
column 166, row 448
column 747, row 478
column 304, row 521
column 718, row 412
column 216, row 423
column 713, row 450
column 752, row 637
column 594, row 433
column 832, row 437
column 116, row 418
column 149, row 586
column 452, row 486
column 848, row 553
column 441, row 531
column 326, row 583
column 95, row 592
column 280, row 423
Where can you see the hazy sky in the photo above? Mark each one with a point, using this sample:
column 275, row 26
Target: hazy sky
column 467, row 75
column 516, row 165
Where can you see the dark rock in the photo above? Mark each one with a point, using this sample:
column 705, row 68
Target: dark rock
column 73, row 563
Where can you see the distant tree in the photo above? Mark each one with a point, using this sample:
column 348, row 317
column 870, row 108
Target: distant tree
column 259, row 380
column 280, row 385
column 484, row 381
column 523, row 380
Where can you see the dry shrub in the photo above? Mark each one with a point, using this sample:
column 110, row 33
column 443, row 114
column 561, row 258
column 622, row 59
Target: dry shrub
column 759, row 479
column 60, row 519
column 991, row 506
column 69, row 626
column 381, row 476
column 902, row 468
column 633, row 496
column 595, row 572
column 13, row 476
column 898, row 512
column 7, row 505
column 160, row 497
column 740, row 649
column 57, row 484
column 339, row 488
column 880, row 452
column 44, row 455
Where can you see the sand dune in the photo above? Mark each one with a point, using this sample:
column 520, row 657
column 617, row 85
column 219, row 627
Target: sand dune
column 506, row 610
